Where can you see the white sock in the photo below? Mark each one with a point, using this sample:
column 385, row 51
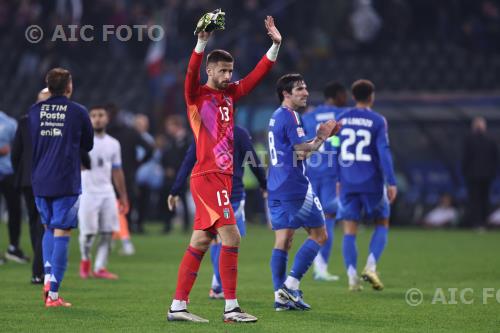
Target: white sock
column 215, row 284
column 352, row 275
column 292, row 283
column 53, row 295
column 46, row 279
column 178, row 305
column 320, row 265
column 371, row 263
column 231, row 304
column 86, row 242
column 101, row 258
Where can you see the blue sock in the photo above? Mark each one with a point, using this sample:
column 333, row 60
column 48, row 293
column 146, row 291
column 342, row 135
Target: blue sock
column 379, row 241
column 59, row 262
column 47, row 249
column 304, row 258
column 350, row 252
column 214, row 258
column 279, row 260
column 326, row 249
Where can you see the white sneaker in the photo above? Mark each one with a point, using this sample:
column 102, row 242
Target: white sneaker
column 325, row 276
column 214, row 294
column 355, row 285
column 236, row 315
column 127, row 249
column 184, row 315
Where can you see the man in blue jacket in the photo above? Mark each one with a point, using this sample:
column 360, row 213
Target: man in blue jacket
column 59, row 129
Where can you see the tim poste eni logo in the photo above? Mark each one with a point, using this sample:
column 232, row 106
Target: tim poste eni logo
column 52, row 118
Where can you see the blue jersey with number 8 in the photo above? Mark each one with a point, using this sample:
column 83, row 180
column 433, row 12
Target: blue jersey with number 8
column 286, row 179
column 364, row 162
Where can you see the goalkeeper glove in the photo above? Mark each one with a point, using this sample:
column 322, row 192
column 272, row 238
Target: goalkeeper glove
column 211, row 21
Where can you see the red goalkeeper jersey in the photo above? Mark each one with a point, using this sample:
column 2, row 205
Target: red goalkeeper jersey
column 211, row 115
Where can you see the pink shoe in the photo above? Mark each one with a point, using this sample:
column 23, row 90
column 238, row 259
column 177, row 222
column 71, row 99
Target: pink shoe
column 103, row 273
column 84, row 269
column 49, row 302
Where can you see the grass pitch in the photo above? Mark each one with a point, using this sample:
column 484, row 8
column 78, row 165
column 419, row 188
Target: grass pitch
column 432, row 261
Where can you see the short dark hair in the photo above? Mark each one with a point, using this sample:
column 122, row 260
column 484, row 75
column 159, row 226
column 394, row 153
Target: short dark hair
column 219, row 55
column 57, row 80
column 362, row 90
column 286, row 83
column 333, row 89
column 95, row 107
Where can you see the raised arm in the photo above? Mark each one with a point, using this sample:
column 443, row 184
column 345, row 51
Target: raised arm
column 192, row 82
column 249, row 82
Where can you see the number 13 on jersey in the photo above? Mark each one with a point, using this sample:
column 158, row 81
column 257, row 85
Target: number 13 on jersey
column 222, row 198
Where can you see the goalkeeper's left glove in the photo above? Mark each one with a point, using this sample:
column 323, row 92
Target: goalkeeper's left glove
column 211, row 21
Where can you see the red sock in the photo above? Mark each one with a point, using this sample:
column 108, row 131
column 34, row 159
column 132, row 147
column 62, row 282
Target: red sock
column 188, row 271
column 228, row 268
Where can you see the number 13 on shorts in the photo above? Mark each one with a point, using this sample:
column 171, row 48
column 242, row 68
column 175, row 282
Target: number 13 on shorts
column 222, row 198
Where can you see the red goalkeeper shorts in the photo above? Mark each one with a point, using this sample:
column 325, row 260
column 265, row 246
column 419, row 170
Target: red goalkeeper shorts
column 211, row 194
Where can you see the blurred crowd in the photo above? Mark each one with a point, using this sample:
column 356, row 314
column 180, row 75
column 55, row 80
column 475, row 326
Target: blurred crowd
column 314, row 34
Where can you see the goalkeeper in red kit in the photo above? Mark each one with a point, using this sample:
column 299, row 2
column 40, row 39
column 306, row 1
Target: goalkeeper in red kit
column 210, row 110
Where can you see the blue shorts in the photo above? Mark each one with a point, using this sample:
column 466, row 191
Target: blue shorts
column 327, row 194
column 239, row 215
column 294, row 214
column 355, row 206
column 59, row 212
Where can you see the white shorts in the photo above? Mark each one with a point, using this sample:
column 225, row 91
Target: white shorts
column 98, row 213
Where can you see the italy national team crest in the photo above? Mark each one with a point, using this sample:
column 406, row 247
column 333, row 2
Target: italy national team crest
column 226, row 213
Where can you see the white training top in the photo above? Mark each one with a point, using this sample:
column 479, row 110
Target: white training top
column 105, row 156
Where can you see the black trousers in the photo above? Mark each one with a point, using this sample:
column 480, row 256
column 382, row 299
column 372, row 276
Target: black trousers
column 143, row 197
column 13, row 200
column 479, row 203
column 36, row 231
column 168, row 215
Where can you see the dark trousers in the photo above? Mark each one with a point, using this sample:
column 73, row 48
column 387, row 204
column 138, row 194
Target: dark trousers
column 13, row 200
column 36, row 231
column 168, row 215
column 143, row 198
column 479, row 203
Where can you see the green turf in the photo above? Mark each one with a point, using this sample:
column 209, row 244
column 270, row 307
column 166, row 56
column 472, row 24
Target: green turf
column 138, row 301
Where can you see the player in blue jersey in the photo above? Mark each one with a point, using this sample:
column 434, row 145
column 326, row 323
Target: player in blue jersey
column 320, row 170
column 291, row 200
column 59, row 128
column 243, row 153
column 366, row 180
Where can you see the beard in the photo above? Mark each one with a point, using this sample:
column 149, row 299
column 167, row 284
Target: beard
column 99, row 130
column 222, row 85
